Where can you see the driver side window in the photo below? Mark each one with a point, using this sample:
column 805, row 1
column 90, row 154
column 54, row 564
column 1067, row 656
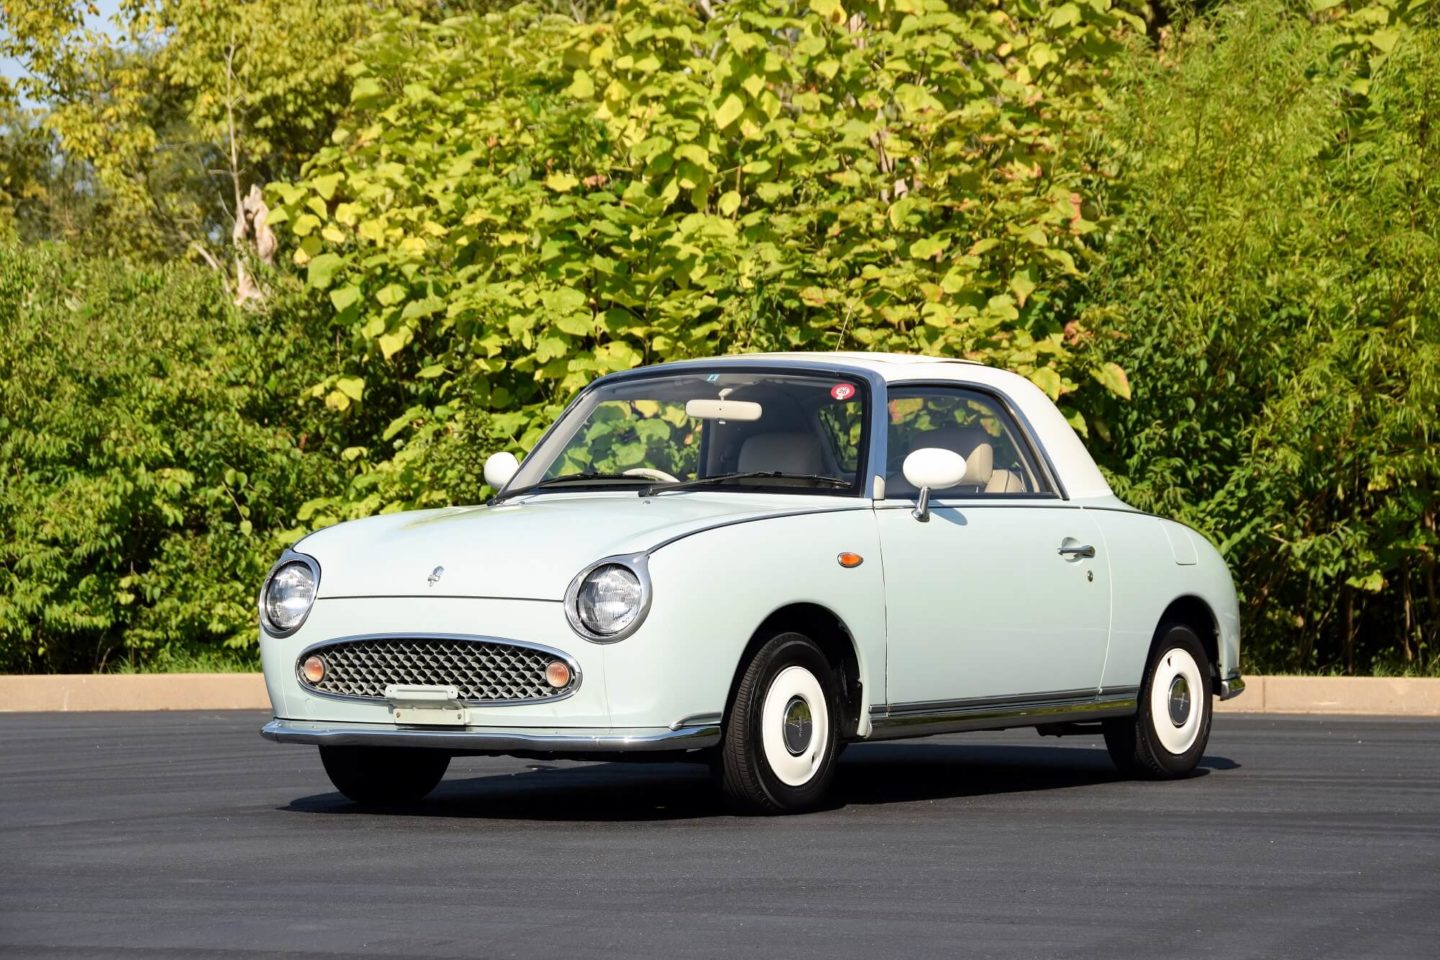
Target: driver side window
column 967, row 422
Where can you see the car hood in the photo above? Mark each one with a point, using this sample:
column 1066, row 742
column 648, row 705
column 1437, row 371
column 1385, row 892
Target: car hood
column 523, row 549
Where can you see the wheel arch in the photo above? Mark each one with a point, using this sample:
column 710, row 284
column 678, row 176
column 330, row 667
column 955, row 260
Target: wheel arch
column 1193, row 612
column 831, row 635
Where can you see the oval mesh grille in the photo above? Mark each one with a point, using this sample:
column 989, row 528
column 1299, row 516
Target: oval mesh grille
column 482, row 670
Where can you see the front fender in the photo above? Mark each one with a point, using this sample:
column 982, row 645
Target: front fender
column 713, row 589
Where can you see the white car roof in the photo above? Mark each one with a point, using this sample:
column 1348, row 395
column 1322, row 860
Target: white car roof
column 1075, row 467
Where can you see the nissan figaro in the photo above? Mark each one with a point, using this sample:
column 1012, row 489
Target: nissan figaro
column 750, row 562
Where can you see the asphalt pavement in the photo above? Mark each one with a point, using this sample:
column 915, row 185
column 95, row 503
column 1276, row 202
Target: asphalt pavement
column 185, row 835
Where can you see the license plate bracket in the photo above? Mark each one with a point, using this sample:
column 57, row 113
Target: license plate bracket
column 427, row 705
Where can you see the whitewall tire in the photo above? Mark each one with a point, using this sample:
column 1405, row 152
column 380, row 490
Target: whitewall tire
column 1168, row 733
column 778, row 755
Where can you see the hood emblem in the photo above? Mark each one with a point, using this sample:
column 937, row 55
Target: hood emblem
column 435, row 576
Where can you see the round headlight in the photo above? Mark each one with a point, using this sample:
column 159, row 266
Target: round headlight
column 289, row 594
column 609, row 600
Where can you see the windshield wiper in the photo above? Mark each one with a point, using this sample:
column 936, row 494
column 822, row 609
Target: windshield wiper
column 743, row 475
column 563, row 479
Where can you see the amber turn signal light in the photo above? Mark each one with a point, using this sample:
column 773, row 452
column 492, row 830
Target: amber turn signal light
column 313, row 669
column 557, row 674
column 850, row 560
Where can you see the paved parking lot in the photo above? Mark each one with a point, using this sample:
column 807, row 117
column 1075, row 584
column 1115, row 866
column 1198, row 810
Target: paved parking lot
column 186, row 835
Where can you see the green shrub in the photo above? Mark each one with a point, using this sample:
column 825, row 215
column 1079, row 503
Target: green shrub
column 1272, row 282
column 1244, row 218
column 150, row 460
column 516, row 203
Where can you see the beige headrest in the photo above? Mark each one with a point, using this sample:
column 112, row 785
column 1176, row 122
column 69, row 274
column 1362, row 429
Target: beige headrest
column 972, row 443
column 785, row 452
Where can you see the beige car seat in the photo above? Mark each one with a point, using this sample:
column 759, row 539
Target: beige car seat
column 974, row 444
column 797, row 453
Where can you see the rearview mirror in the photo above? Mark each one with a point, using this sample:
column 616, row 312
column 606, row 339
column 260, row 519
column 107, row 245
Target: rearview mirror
column 705, row 409
column 931, row 468
column 499, row 468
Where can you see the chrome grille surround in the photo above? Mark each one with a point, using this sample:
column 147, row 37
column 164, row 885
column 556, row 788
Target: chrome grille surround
column 486, row 670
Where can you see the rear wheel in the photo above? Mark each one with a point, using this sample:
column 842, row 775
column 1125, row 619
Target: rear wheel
column 1166, row 737
column 384, row 775
column 781, row 737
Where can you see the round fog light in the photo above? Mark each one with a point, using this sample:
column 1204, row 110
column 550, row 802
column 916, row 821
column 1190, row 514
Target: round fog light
column 557, row 674
column 313, row 669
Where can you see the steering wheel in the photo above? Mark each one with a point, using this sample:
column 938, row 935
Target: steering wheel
column 649, row 474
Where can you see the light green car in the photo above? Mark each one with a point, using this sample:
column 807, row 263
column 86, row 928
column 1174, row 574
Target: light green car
column 749, row 562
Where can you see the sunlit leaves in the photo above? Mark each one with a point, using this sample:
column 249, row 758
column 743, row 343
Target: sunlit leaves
column 1272, row 290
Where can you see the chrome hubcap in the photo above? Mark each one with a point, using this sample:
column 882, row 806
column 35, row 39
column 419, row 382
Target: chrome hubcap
column 798, row 726
column 1179, row 701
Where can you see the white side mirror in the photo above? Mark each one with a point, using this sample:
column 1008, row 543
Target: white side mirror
column 932, row 468
column 499, row 468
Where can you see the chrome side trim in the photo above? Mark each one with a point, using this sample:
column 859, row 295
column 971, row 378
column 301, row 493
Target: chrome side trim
column 896, row 721
column 1120, row 692
column 492, row 739
column 464, row 637
column 1231, row 687
column 698, row 720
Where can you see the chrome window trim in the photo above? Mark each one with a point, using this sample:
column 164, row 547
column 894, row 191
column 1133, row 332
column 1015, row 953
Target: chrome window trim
column 575, row 672
column 636, row 563
column 288, row 557
column 922, row 719
column 1037, row 451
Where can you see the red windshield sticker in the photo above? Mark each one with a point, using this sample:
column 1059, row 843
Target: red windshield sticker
column 842, row 391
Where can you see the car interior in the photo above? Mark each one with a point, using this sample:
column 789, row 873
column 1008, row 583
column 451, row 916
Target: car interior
column 965, row 423
column 812, row 427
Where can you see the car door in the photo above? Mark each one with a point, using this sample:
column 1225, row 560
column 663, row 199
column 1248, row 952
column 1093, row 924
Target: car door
column 1002, row 592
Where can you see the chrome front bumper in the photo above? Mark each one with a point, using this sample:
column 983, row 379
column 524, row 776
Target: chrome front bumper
column 558, row 740
column 1232, row 687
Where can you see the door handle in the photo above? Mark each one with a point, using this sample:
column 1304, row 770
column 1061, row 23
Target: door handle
column 1074, row 551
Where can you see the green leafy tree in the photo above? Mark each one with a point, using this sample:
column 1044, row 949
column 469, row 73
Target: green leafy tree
column 184, row 105
column 151, row 460
column 1272, row 281
column 518, row 202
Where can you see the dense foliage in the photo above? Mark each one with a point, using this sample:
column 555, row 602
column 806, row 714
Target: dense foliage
column 518, row 202
column 1211, row 237
column 151, row 459
column 181, row 105
column 1273, row 281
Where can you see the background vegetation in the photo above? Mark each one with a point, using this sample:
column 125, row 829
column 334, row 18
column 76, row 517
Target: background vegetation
column 1210, row 234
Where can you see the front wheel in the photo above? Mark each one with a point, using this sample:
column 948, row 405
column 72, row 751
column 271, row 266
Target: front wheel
column 1166, row 737
column 781, row 737
column 384, row 775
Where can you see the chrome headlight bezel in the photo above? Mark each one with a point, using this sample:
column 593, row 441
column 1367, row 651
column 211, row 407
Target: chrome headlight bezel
column 638, row 565
column 288, row 558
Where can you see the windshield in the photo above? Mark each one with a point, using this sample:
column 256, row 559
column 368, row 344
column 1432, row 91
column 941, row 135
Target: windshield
column 731, row 430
